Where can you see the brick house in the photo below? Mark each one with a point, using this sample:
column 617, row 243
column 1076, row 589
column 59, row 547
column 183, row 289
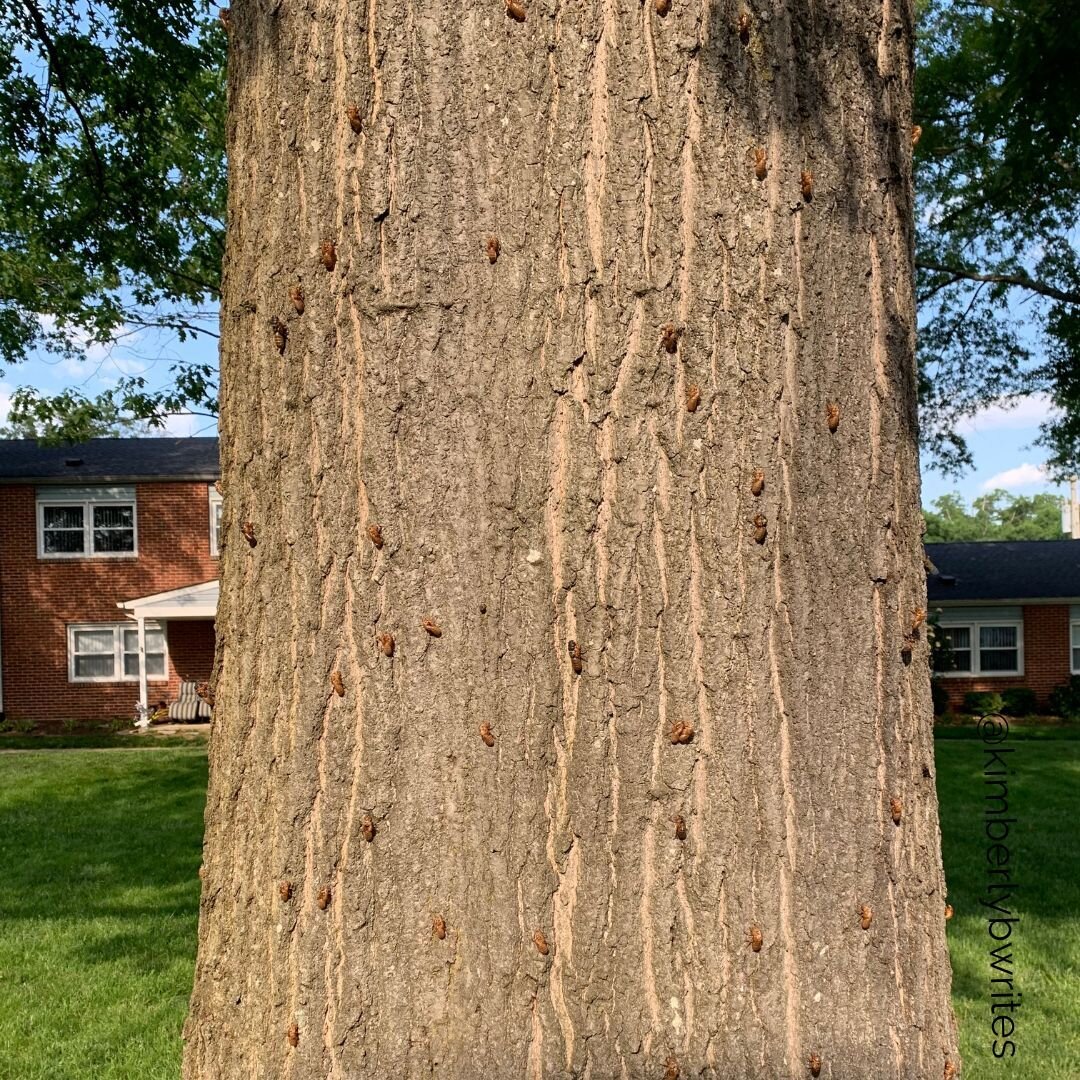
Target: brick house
column 108, row 568
column 1010, row 611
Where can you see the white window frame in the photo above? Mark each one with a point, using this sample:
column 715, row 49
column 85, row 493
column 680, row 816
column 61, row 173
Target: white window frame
column 88, row 529
column 975, row 671
column 215, row 500
column 118, row 675
column 1073, row 624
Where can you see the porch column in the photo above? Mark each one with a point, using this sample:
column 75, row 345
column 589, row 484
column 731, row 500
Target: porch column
column 140, row 622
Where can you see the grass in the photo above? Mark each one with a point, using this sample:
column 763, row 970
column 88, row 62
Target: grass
column 1044, row 797
column 99, row 905
column 98, row 911
column 99, row 741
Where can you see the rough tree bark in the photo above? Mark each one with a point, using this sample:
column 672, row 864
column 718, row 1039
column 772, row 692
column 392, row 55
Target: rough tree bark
column 599, row 893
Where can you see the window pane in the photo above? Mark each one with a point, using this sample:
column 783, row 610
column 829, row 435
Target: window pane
column 1076, row 636
column 959, row 637
column 114, row 517
column 997, row 637
column 114, row 528
column 62, row 517
column 155, row 652
column 94, row 641
column 94, row 667
column 62, row 543
column 998, row 659
column 1076, row 659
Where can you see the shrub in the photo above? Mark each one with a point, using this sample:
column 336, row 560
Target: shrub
column 1019, row 701
column 1065, row 699
column 940, row 696
column 982, row 702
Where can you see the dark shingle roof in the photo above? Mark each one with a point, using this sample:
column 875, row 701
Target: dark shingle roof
column 1005, row 570
column 114, row 460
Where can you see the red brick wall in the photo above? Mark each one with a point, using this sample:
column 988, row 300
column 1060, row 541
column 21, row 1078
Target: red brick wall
column 1046, row 657
column 40, row 597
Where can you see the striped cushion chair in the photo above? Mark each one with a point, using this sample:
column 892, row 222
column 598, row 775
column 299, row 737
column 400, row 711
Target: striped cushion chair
column 188, row 705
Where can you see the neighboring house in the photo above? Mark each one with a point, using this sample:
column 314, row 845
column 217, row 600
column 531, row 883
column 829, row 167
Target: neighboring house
column 1010, row 611
column 108, row 574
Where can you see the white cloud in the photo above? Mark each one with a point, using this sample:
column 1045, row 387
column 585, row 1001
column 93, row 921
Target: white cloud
column 1005, row 413
column 180, row 425
column 5, row 401
column 1023, row 476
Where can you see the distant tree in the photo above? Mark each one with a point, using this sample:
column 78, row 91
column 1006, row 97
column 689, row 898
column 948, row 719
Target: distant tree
column 997, row 169
column 997, row 515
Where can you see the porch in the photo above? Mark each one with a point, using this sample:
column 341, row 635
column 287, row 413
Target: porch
column 188, row 605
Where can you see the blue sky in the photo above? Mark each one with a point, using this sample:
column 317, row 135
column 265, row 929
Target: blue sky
column 1000, row 438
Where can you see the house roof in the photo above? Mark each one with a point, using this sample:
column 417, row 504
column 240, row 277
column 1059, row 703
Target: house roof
column 1005, row 570
column 23, row 461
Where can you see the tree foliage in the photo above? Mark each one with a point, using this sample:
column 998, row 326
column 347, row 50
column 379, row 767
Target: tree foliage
column 996, row 515
column 998, row 182
column 112, row 187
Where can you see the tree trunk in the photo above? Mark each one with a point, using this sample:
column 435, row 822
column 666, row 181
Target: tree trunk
column 714, row 850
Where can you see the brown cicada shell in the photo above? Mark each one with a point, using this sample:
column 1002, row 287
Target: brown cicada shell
column 680, row 827
column 337, row 683
column 355, row 122
column 375, row 535
column 432, row 627
column 693, row 398
column 281, row 334
column 296, row 295
column 285, row 891
column 486, row 735
column 438, row 927
column 328, row 255
column 541, row 943
column 493, row 248
column 386, row 643
column 761, row 162
column 367, row 828
column 755, row 938
column 866, row 916
column 832, row 415
column 669, row 338
column 323, row 899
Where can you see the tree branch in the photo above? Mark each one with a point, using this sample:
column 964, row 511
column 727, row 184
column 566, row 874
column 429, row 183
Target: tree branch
column 1021, row 281
column 46, row 41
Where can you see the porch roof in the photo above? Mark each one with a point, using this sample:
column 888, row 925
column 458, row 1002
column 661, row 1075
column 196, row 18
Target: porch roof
column 190, row 602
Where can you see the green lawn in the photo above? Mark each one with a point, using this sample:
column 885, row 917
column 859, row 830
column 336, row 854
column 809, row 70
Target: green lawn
column 99, row 899
column 1044, row 797
column 99, row 894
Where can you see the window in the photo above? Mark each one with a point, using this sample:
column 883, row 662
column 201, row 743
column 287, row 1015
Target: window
column 77, row 523
column 110, row 653
column 990, row 648
column 1075, row 643
column 215, row 520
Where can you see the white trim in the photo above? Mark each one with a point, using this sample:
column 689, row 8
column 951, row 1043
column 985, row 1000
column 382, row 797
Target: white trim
column 214, row 499
column 190, row 602
column 118, row 653
column 974, row 626
column 87, row 506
